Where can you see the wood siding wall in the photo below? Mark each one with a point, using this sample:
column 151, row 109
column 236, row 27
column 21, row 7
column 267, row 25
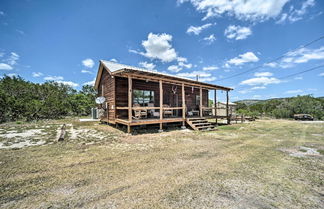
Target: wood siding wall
column 191, row 98
column 106, row 88
column 174, row 100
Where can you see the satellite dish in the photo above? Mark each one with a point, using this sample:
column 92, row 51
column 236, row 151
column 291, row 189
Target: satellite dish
column 100, row 100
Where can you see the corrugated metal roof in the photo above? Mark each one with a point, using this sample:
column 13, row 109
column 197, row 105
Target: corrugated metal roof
column 116, row 67
column 113, row 67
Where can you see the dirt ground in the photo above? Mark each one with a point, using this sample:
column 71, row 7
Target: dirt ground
column 262, row 164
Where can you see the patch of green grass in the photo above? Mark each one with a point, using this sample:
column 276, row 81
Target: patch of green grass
column 321, row 151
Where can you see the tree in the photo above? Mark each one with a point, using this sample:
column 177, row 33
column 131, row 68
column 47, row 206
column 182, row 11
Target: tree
column 23, row 100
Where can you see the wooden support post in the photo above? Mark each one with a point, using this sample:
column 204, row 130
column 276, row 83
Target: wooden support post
column 200, row 105
column 161, row 105
column 227, row 115
column 62, row 135
column 130, row 96
column 183, row 106
column 215, row 105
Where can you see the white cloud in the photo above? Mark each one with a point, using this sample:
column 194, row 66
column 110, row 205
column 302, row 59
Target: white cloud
column 69, row 83
column 243, row 58
column 260, row 81
column 86, row 71
column 90, row 83
column 53, row 78
column 321, row 74
column 297, row 91
column 270, row 64
column 13, row 58
column 157, row 46
column 258, row 87
column 210, row 68
column 296, row 14
column 237, row 32
column 182, row 64
column 4, row 66
column 202, row 76
column 113, row 60
column 89, row 63
column 210, row 39
column 298, row 78
column 197, row 30
column 174, row 68
column 244, row 91
column 253, row 10
column 146, row 65
column 209, row 79
column 263, row 74
column 256, row 96
column 302, row 55
column 12, row 74
column 181, row 59
column 194, row 74
column 37, row 74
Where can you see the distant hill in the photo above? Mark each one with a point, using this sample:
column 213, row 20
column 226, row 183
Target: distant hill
column 249, row 101
column 255, row 101
column 283, row 107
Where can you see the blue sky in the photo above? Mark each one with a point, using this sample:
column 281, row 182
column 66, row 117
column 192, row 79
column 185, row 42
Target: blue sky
column 64, row 41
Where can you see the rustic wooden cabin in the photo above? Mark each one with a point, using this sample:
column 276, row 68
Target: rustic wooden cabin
column 136, row 96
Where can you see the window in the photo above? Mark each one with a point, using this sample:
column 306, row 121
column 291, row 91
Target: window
column 143, row 97
column 197, row 100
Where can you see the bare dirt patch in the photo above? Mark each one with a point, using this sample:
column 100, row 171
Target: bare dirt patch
column 301, row 151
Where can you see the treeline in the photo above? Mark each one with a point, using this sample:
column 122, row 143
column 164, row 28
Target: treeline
column 24, row 100
column 284, row 107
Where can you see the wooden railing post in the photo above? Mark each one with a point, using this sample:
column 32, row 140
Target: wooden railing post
column 200, row 105
column 183, row 105
column 227, row 115
column 161, row 105
column 215, row 104
column 130, row 95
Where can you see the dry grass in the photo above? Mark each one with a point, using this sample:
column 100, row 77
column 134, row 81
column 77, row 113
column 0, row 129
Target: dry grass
column 238, row 166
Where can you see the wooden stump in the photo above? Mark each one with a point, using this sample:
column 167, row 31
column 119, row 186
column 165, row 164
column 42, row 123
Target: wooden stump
column 63, row 131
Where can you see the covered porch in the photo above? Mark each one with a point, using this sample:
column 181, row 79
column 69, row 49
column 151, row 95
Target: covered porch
column 142, row 100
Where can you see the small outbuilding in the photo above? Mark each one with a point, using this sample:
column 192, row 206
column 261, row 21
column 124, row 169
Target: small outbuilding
column 136, row 96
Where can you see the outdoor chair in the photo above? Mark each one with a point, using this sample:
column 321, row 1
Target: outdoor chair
column 139, row 113
column 153, row 112
column 207, row 112
column 167, row 112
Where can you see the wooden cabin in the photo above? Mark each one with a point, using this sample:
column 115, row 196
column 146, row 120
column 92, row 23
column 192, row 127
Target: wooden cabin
column 136, row 96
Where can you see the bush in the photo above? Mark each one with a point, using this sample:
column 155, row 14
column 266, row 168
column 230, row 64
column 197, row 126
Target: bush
column 23, row 100
column 286, row 107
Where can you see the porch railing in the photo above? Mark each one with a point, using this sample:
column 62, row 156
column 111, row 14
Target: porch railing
column 151, row 108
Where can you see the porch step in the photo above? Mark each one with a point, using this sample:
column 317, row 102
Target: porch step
column 200, row 124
